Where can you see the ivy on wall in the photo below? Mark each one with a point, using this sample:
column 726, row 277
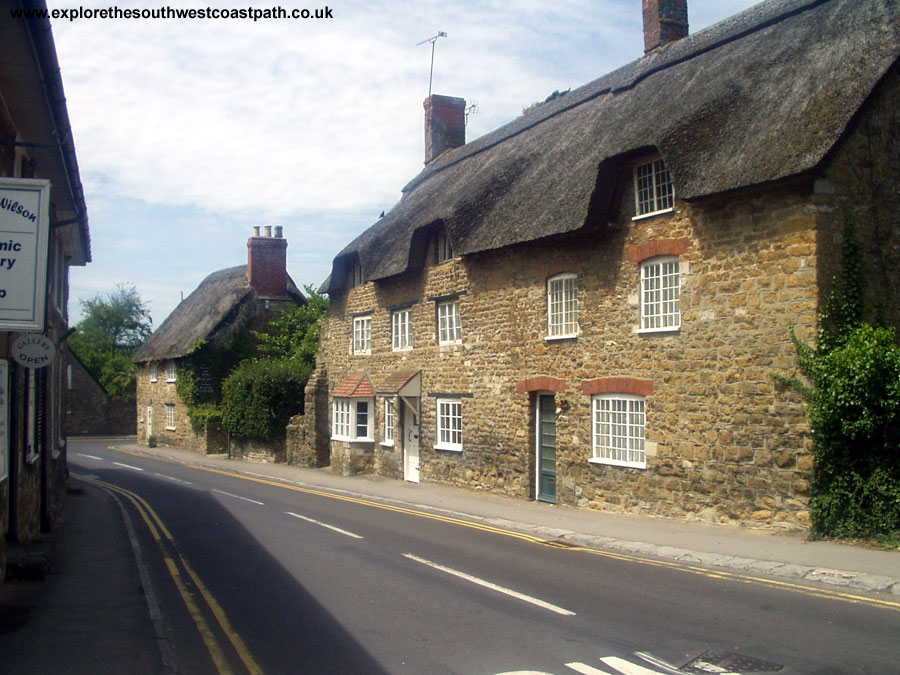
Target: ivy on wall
column 852, row 390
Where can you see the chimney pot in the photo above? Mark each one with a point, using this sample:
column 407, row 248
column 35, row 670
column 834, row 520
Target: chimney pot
column 665, row 21
column 267, row 230
column 279, row 229
column 256, row 230
column 445, row 125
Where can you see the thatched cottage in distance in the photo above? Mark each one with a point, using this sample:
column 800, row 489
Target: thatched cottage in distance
column 206, row 335
column 587, row 305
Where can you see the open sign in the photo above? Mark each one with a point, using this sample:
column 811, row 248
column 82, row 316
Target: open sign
column 33, row 351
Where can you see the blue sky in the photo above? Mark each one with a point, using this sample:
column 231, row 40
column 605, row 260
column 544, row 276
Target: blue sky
column 189, row 132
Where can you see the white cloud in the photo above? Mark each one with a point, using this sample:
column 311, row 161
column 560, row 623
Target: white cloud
column 188, row 132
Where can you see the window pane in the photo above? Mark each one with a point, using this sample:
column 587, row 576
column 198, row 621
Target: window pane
column 450, row 423
column 618, row 426
column 362, row 419
column 653, row 186
column 449, row 324
column 562, row 303
column 362, row 335
column 388, row 421
column 660, row 295
column 401, row 329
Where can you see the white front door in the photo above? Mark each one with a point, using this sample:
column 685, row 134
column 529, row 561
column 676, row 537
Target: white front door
column 411, row 439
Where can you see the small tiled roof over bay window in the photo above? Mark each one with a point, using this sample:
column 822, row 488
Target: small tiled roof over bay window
column 355, row 386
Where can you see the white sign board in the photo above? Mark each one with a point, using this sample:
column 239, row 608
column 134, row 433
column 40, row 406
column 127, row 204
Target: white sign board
column 4, row 419
column 24, row 237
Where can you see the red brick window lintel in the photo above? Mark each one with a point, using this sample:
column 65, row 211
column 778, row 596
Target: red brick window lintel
column 617, row 385
column 657, row 247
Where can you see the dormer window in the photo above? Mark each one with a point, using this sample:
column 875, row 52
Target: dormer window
column 444, row 248
column 653, row 189
column 356, row 275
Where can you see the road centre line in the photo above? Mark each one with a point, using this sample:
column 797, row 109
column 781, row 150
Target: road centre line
column 81, row 454
column 176, row 480
column 129, row 466
column 494, row 587
column 246, row 499
column 325, row 525
column 674, row 565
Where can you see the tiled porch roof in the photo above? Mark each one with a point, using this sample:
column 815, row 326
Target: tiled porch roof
column 355, row 386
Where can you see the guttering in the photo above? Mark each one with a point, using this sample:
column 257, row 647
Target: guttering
column 44, row 51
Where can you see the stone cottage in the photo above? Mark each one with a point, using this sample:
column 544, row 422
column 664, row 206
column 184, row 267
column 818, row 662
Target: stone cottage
column 587, row 305
column 205, row 336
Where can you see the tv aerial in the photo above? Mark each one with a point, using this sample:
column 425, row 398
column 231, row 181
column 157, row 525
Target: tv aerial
column 432, row 40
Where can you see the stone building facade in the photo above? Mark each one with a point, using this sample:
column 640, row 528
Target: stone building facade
column 206, row 335
column 601, row 327
column 38, row 165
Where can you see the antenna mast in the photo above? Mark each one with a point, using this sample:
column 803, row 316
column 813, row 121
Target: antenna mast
column 432, row 40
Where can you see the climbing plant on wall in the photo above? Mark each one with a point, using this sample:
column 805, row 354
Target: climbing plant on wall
column 852, row 390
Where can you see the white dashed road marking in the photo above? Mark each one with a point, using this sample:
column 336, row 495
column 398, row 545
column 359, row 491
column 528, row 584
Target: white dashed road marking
column 325, row 525
column 491, row 586
column 246, row 499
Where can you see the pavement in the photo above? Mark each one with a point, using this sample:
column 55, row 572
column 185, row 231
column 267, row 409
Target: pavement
column 53, row 608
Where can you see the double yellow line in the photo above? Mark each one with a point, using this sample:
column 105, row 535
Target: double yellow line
column 187, row 581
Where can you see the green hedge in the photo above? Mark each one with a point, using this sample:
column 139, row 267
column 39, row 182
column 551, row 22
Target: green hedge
column 853, row 396
column 260, row 396
column 854, row 416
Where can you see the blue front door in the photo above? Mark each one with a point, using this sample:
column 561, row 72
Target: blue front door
column 546, row 442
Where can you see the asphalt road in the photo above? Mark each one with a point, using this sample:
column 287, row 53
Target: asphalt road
column 254, row 576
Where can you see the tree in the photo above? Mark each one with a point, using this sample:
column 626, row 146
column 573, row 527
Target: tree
column 261, row 395
column 108, row 336
column 295, row 332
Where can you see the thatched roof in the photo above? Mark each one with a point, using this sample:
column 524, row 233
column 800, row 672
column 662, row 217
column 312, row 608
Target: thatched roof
column 211, row 307
column 757, row 98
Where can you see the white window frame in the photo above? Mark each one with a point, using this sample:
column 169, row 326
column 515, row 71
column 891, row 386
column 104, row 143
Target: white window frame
column 444, row 248
column 618, row 430
column 170, row 417
column 342, row 415
column 390, row 422
column 449, row 423
column 150, row 420
column 346, row 417
column 154, row 372
column 449, row 322
column 660, row 294
column 562, row 306
column 358, row 278
column 401, row 330
column 170, row 370
column 362, row 335
column 654, row 192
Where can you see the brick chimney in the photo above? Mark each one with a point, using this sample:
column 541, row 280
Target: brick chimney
column 267, row 262
column 445, row 124
column 665, row 21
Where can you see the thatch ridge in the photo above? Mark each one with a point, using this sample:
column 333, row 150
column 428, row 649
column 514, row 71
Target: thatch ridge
column 759, row 97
